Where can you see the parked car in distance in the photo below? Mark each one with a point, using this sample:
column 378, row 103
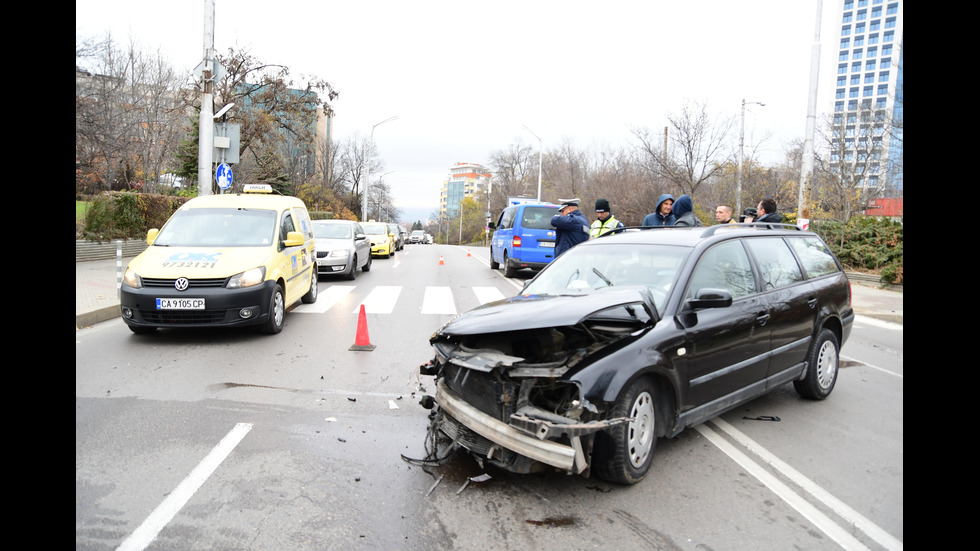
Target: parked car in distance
column 382, row 240
column 404, row 235
column 429, row 239
column 417, row 236
column 223, row 261
column 637, row 335
column 342, row 248
column 396, row 233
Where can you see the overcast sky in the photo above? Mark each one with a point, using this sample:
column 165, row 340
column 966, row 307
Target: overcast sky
column 464, row 77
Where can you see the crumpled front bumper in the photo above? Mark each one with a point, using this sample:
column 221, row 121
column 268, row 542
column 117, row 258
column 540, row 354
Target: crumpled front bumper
column 532, row 443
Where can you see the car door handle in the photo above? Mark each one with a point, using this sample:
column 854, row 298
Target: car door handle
column 812, row 303
column 762, row 319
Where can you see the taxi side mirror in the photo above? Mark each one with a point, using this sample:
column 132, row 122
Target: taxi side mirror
column 293, row 239
column 151, row 236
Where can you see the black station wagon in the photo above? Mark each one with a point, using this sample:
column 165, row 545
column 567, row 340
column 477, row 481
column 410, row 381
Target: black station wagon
column 635, row 336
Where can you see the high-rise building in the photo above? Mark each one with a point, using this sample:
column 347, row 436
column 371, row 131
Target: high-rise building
column 465, row 179
column 865, row 139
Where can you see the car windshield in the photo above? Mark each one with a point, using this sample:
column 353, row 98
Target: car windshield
column 332, row 231
column 375, row 229
column 218, row 227
column 418, row 233
column 594, row 267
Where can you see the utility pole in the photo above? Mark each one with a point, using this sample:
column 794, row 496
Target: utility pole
column 806, row 170
column 205, row 146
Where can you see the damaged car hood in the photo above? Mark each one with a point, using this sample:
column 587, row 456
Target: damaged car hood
column 536, row 311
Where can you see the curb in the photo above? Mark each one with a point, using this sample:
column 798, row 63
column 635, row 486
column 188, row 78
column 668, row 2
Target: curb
column 105, row 313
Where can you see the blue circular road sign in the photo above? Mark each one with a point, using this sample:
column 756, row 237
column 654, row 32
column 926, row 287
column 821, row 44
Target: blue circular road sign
column 224, row 175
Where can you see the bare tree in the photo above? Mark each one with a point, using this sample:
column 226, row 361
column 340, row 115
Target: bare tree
column 696, row 148
column 515, row 172
column 853, row 152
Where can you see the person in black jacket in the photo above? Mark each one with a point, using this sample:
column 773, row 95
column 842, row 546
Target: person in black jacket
column 767, row 211
column 683, row 209
column 572, row 226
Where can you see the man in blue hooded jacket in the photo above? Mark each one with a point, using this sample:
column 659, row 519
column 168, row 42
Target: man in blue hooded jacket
column 662, row 215
column 572, row 226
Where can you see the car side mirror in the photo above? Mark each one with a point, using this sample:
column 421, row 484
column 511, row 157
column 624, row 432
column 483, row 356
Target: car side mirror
column 151, row 236
column 710, row 298
column 491, row 225
column 360, row 236
column 293, row 239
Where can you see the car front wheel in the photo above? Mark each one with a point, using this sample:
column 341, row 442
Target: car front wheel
column 277, row 312
column 493, row 265
column 821, row 371
column 623, row 453
column 367, row 265
column 352, row 273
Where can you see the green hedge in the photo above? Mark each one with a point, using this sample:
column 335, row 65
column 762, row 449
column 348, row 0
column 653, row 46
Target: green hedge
column 867, row 245
column 126, row 215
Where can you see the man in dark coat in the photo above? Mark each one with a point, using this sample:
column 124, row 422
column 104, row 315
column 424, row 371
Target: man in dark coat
column 767, row 211
column 661, row 216
column 572, row 226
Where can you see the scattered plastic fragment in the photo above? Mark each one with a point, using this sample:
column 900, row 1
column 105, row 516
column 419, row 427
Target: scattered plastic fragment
column 392, row 404
column 331, row 419
column 762, row 418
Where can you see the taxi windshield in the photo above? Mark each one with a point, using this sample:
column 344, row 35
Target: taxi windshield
column 375, row 228
column 218, row 227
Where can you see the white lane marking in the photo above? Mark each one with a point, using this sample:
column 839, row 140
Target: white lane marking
column 381, row 300
column 164, row 513
column 821, row 521
column 326, row 300
column 879, row 323
column 438, row 300
column 487, row 294
column 854, row 519
column 865, row 364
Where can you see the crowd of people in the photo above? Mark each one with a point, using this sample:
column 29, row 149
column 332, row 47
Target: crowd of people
column 572, row 227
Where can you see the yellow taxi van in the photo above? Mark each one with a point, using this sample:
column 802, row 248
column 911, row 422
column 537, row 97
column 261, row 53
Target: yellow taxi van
column 225, row 260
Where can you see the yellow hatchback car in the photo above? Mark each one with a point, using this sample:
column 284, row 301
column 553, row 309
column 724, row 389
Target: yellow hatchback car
column 382, row 240
column 223, row 260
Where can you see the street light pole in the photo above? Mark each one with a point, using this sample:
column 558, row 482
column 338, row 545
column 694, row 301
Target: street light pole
column 539, row 159
column 741, row 149
column 367, row 176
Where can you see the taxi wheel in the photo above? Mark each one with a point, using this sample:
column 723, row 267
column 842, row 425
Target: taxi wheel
column 277, row 311
column 310, row 296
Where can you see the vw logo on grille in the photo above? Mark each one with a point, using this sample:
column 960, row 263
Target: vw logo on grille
column 181, row 284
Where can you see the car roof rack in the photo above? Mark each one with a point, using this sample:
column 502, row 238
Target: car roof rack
column 711, row 230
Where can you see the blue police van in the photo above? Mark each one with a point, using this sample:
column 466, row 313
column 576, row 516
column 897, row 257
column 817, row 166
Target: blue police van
column 523, row 237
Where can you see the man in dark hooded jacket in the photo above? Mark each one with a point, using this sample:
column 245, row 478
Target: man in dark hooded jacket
column 661, row 216
column 684, row 211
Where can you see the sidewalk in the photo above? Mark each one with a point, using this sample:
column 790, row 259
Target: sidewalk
column 97, row 298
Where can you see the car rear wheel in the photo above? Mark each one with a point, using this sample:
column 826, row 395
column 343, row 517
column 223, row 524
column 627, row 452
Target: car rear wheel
column 509, row 270
column 277, row 312
column 623, row 453
column 310, row 296
column 352, row 273
column 821, row 371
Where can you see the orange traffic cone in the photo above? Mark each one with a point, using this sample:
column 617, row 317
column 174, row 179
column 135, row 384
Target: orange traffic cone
column 468, row 252
column 441, row 263
column 362, row 341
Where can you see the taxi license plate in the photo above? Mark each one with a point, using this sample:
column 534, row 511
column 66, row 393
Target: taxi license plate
column 180, row 304
column 547, row 244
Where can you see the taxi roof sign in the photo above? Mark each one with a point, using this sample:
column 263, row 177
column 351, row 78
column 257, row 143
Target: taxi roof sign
column 256, row 188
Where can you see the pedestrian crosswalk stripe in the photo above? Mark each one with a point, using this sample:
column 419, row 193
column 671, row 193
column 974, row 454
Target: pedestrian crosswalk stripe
column 438, row 300
column 326, row 299
column 487, row 294
column 381, row 299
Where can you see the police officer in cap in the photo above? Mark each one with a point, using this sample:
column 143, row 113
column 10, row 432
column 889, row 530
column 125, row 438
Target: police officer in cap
column 605, row 221
column 572, row 226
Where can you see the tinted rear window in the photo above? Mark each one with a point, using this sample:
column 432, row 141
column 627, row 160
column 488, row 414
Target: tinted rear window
column 538, row 218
